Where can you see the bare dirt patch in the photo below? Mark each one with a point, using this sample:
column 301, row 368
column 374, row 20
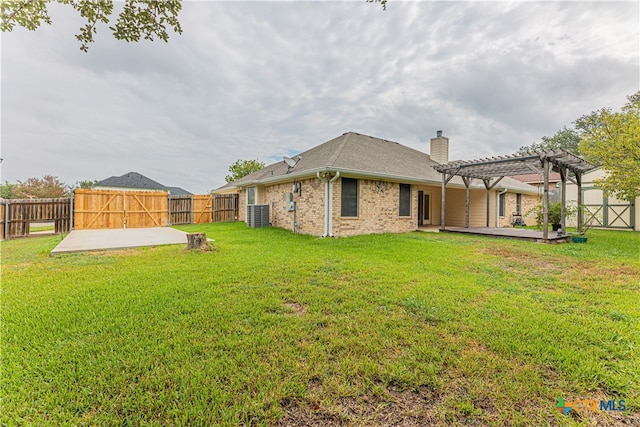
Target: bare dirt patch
column 396, row 408
column 295, row 308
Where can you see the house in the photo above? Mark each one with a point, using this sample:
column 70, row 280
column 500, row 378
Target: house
column 359, row 184
column 602, row 210
column 537, row 180
column 137, row 182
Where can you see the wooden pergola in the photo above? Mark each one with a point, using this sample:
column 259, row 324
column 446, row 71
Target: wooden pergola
column 491, row 171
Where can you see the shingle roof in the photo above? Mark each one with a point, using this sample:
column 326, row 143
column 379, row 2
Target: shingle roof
column 362, row 155
column 177, row 191
column 537, row 178
column 136, row 180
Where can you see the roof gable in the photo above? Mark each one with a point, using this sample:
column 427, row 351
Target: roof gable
column 131, row 180
column 354, row 152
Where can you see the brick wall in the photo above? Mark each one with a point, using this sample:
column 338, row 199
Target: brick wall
column 378, row 209
column 309, row 213
column 527, row 203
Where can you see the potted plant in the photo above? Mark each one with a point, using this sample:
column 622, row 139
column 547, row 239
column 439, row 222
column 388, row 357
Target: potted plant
column 554, row 214
column 579, row 237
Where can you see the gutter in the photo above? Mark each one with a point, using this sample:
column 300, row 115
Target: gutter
column 328, row 202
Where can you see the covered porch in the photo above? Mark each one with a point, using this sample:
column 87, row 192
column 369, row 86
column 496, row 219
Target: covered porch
column 492, row 171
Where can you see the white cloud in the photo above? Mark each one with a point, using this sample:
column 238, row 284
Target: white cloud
column 266, row 79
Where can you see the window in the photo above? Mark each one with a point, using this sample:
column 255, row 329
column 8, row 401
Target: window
column 518, row 204
column 251, row 195
column 349, row 197
column 501, row 201
column 405, row 200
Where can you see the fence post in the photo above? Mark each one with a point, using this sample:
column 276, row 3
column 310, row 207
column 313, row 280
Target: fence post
column 73, row 194
column 6, row 220
column 169, row 209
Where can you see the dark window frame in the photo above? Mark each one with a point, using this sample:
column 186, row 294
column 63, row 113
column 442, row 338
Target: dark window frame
column 501, row 203
column 518, row 204
column 404, row 200
column 349, row 198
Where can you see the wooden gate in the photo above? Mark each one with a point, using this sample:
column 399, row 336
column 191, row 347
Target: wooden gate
column 202, row 209
column 225, row 207
column 18, row 214
column 180, row 210
column 119, row 209
column 601, row 210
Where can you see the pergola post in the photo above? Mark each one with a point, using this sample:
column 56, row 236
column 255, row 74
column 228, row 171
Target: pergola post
column 443, row 201
column 545, row 200
column 467, row 184
column 563, row 196
column 488, row 205
column 580, row 210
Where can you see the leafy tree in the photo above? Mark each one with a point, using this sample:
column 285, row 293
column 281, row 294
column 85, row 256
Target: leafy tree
column 243, row 168
column 138, row 19
column 41, row 188
column 7, row 190
column 613, row 139
column 564, row 139
column 86, row 183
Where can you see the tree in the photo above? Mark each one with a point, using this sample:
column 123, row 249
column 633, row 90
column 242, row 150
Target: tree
column 613, row 139
column 243, row 168
column 7, row 190
column 86, row 183
column 46, row 187
column 146, row 19
column 138, row 19
column 564, row 139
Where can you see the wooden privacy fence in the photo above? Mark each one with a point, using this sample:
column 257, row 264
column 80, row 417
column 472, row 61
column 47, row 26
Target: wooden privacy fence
column 99, row 209
column 18, row 214
column 133, row 209
column 119, row 209
column 190, row 209
column 225, row 207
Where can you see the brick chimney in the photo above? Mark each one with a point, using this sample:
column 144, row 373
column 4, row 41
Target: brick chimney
column 440, row 148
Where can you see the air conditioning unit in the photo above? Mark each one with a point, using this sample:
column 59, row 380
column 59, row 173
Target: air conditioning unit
column 257, row 216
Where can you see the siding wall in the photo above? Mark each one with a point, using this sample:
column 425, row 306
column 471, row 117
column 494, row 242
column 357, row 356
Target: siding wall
column 455, row 208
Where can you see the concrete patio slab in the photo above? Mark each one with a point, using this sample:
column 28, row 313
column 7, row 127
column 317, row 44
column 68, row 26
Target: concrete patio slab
column 119, row 238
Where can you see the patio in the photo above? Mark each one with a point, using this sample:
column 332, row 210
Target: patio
column 513, row 233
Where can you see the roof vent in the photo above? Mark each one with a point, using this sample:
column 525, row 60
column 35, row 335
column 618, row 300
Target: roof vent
column 439, row 133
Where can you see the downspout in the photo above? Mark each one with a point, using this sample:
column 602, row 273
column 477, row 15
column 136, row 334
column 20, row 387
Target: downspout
column 326, row 203
column 330, row 184
column 504, row 190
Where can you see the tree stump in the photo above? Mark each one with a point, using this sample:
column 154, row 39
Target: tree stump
column 198, row 241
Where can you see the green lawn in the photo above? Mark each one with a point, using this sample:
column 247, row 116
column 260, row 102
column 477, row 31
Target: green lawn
column 419, row 328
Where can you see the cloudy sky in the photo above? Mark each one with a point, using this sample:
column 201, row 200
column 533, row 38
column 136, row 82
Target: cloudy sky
column 271, row 79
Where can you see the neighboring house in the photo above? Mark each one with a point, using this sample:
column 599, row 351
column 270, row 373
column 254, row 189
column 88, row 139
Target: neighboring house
column 137, row 182
column 537, row 180
column 358, row 184
column 601, row 210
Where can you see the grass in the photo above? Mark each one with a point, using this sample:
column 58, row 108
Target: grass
column 276, row 328
column 41, row 228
